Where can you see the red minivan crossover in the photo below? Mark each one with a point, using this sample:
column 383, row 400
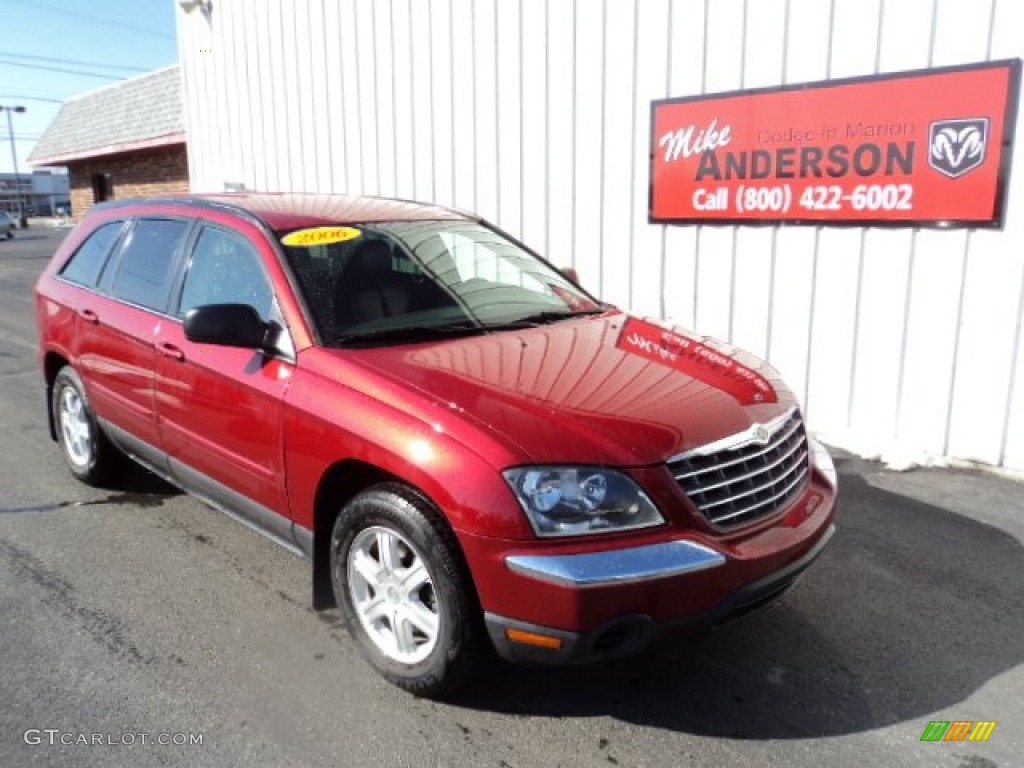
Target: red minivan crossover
column 471, row 450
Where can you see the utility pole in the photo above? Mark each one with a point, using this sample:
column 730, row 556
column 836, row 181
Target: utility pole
column 22, row 221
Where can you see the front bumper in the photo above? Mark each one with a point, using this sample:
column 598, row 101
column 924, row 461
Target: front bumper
column 628, row 634
column 577, row 602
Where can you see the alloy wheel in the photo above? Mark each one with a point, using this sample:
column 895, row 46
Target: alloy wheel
column 393, row 594
column 75, row 427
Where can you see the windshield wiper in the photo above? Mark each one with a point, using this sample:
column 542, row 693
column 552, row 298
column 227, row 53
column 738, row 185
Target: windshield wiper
column 413, row 333
column 546, row 316
column 407, row 333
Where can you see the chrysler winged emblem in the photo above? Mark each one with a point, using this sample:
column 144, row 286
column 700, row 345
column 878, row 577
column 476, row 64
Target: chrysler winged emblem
column 957, row 146
column 761, row 435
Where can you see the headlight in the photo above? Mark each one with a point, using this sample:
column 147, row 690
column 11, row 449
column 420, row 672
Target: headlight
column 570, row 501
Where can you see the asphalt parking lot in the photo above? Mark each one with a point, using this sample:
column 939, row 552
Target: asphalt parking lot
column 137, row 610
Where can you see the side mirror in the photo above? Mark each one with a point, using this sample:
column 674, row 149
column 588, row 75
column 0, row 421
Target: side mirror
column 230, row 325
column 572, row 274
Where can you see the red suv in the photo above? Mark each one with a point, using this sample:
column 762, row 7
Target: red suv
column 470, row 449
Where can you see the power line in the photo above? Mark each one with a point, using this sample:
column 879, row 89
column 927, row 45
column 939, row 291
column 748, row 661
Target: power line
column 29, row 98
column 36, row 5
column 101, row 65
column 58, row 92
column 61, row 69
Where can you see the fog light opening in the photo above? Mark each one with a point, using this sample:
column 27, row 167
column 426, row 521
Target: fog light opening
column 622, row 636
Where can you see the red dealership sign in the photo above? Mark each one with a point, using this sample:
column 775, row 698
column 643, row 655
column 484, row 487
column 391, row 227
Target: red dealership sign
column 913, row 148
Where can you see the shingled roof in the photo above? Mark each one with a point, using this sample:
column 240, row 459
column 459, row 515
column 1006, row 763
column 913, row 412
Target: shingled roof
column 145, row 111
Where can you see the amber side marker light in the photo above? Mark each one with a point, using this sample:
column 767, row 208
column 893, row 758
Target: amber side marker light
column 532, row 638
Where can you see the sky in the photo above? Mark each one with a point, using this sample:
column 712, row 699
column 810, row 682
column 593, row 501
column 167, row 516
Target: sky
column 93, row 44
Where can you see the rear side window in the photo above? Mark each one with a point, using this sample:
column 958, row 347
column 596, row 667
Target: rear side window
column 146, row 268
column 226, row 269
column 87, row 262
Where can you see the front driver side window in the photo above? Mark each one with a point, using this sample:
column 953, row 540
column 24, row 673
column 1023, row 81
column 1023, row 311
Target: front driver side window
column 225, row 269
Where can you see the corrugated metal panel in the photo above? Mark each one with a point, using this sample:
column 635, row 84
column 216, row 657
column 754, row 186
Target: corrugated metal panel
column 536, row 114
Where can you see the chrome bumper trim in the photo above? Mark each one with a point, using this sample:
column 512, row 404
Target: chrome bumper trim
column 618, row 566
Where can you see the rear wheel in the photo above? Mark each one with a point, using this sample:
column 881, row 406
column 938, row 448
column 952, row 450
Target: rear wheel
column 403, row 590
column 86, row 450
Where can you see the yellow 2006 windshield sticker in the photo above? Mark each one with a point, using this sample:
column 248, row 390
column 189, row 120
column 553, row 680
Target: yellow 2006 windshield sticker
column 320, row 236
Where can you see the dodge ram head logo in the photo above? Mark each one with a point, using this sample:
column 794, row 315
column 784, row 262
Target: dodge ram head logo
column 957, row 146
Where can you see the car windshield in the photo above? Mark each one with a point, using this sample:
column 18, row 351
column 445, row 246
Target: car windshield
column 407, row 281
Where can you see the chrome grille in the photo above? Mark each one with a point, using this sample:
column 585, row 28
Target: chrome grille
column 741, row 478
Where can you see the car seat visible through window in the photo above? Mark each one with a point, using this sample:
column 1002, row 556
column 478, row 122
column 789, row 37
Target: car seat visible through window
column 367, row 288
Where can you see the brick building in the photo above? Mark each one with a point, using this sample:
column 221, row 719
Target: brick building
column 124, row 140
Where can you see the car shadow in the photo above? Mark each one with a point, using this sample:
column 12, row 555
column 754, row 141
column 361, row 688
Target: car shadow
column 911, row 610
column 139, row 487
column 136, row 486
column 138, row 479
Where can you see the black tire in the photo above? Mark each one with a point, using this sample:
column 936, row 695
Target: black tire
column 93, row 459
column 456, row 649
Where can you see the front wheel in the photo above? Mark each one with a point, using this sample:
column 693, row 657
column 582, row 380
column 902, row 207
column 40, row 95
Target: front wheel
column 403, row 590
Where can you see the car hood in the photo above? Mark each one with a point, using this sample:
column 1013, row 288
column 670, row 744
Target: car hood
column 607, row 389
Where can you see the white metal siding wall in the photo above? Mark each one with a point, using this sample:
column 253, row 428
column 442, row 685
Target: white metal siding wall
column 536, row 113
